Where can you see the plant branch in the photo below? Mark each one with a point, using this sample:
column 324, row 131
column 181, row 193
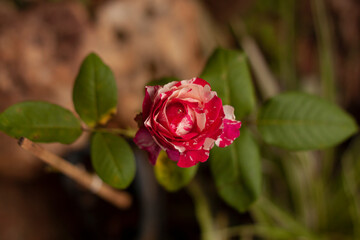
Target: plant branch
column 92, row 182
column 125, row 132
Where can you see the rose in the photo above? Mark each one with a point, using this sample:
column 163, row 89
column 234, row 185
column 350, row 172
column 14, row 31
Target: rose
column 185, row 119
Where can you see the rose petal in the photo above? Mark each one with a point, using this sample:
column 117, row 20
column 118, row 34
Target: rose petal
column 199, row 81
column 191, row 158
column 209, row 143
column 150, row 94
column 200, row 121
column 230, row 132
column 169, row 85
column 175, row 111
column 173, row 154
column 193, row 144
column 229, row 112
column 213, row 109
column 214, row 118
column 145, row 141
column 186, row 119
column 198, row 90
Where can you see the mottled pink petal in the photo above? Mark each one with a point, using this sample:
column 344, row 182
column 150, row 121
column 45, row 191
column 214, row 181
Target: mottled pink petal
column 150, row 93
column 175, row 112
column 214, row 118
column 200, row 81
column 145, row 141
column 186, row 119
column 189, row 136
column 192, row 103
column 195, row 143
column 230, row 132
column 191, row 158
column 229, row 112
column 213, row 109
column 173, row 154
column 200, row 120
column 209, row 143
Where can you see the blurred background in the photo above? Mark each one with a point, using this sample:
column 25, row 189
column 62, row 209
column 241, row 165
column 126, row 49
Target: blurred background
column 308, row 45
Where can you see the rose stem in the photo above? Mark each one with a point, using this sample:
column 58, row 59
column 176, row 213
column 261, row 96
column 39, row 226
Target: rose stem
column 125, row 132
column 121, row 200
column 202, row 211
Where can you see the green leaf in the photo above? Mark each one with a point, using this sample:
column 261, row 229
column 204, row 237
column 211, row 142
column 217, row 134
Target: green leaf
column 237, row 171
column 112, row 159
column 299, row 121
column 95, row 92
column 170, row 176
column 228, row 74
column 162, row 81
column 40, row 122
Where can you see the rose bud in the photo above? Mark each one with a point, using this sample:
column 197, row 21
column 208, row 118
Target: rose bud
column 185, row 119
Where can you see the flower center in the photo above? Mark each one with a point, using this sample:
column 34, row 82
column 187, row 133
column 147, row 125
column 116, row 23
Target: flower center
column 179, row 119
column 175, row 112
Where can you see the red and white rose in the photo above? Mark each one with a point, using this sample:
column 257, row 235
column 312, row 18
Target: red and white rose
column 185, row 119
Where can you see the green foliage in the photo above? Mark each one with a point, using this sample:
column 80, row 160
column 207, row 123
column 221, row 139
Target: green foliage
column 170, row 176
column 228, row 74
column 95, row 100
column 236, row 168
column 295, row 121
column 95, row 92
column 40, row 122
column 298, row 121
column 112, row 159
column 237, row 171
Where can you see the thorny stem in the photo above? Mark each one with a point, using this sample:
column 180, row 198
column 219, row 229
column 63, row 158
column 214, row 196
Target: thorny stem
column 119, row 199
